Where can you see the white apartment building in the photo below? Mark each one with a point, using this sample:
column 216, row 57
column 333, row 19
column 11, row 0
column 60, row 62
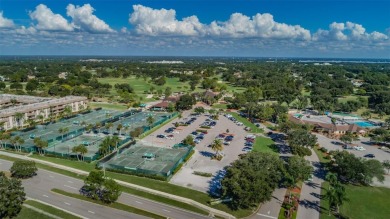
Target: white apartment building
column 32, row 108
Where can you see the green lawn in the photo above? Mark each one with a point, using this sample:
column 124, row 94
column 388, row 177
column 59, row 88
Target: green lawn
column 219, row 106
column 27, row 213
column 247, row 123
column 115, row 205
column 70, row 163
column 363, row 202
column 263, row 144
column 50, row 210
column 111, row 106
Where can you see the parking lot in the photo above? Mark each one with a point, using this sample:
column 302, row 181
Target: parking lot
column 201, row 161
column 333, row 144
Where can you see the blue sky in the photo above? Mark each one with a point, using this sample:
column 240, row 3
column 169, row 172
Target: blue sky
column 284, row 28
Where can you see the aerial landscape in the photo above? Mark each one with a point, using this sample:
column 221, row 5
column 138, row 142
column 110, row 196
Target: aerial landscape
column 195, row 109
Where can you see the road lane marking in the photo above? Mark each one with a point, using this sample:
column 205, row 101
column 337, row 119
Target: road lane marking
column 70, row 187
column 70, row 182
column 66, row 203
column 46, row 196
column 165, row 210
column 91, row 212
column 139, row 202
column 264, row 215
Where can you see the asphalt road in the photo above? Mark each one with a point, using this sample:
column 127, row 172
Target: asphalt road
column 39, row 187
column 309, row 206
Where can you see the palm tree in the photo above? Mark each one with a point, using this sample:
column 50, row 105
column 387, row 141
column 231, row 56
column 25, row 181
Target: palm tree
column 2, row 125
column 89, row 127
column 80, row 150
column 119, row 128
column 63, row 131
column 109, row 126
column 336, row 196
column 98, row 125
column 31, row 123
column 40, row 144
column 115, row 141
column 19, row 117
column 105, row 146
column 150, row 121
column 67, row 111
column 3, row 136
column 41, row 117
column 217, row 146
column 17, row 143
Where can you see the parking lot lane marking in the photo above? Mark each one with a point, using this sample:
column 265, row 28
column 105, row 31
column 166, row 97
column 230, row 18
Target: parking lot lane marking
column 46, row 196
column 70, row 187
column 263, row 215
column 166, row 210
column 139, row 202
column 91, row 212
column 66, row 203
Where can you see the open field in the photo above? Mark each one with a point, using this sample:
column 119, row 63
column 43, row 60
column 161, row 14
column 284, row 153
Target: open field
column 111, row 106
column 263, row 144
column 363, row 202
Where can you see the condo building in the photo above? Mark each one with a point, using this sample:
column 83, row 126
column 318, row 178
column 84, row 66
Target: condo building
column 17, row 110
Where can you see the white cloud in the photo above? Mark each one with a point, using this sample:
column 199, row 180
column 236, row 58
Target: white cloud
column 260, row 25
column 84, row 19
column 155, row 22
column 150, row 21
column 5, row 22
column 347, row 31
column 47, row 20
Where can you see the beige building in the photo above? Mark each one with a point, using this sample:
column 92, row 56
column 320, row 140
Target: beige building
column 25, row 108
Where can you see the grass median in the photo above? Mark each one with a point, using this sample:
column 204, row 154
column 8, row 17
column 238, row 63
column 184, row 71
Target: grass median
column 50, row 209
column 30, row 214
column 115, row 205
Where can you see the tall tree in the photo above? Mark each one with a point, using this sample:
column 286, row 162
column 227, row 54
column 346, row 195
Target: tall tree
column 12, row 196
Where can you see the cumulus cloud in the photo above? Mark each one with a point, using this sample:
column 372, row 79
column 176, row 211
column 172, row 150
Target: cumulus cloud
column 260, row 25
column 155, row 22
column 347, row 31
column 84, row 19
column 5, row 22
column 47, row 20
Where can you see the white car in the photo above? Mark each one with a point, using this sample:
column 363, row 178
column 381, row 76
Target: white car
column 359, row 148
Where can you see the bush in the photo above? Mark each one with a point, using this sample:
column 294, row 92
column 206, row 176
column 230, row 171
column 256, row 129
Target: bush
column 205, row 127
column 23, row 169
column 324, row 150
column 202, row 174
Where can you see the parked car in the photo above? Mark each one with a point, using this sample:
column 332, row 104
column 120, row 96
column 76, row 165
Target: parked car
column 160, row 136
column 170, row 136
column 359, row 148
column 226, row 142
column 369, row 155
column 194, row 133
column 229, row 138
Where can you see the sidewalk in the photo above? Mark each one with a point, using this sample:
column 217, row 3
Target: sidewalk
column 130, row 185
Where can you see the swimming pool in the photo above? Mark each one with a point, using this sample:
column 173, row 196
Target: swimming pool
column 364, row 124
